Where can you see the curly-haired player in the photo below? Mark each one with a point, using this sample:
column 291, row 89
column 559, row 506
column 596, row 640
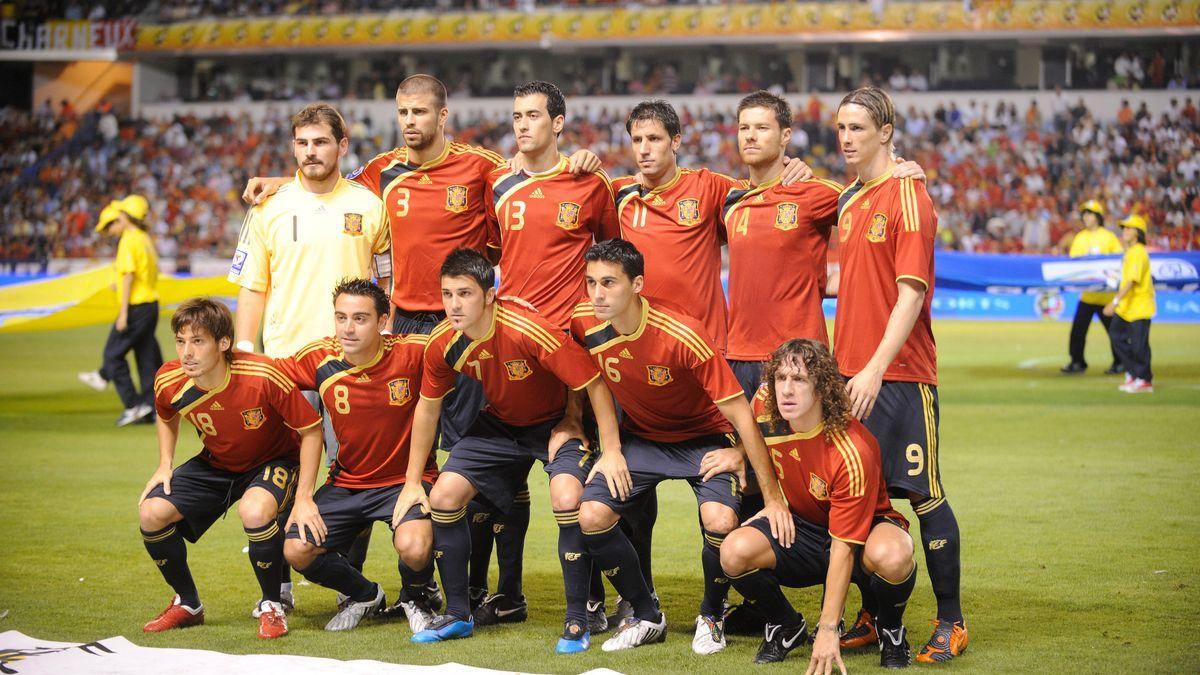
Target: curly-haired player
column 828, row 465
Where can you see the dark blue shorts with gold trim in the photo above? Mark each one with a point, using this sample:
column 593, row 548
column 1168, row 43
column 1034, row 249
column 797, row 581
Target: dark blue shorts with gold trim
column 346, row 511
column 203, row 493
column 495, row 457
column 651, row 462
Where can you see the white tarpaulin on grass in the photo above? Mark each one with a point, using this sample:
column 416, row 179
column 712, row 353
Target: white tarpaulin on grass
column 23, row 655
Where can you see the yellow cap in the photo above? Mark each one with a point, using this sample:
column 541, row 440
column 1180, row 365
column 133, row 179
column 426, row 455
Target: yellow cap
column 135, row 206
column 107, row 215
column 1135, row 221
column 1094, row 206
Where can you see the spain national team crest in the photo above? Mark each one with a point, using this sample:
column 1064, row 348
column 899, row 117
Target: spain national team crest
column 689, row 212
column 659, row 376
column 353, row 224
column 877, row 231
column 518, row 370
column 787, row 216
column 568, row 215
column 456, row 198
column 817, row 487
column 253, row 418
column 399, row 392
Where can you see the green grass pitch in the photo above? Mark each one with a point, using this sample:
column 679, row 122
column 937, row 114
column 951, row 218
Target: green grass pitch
column 1078, row 508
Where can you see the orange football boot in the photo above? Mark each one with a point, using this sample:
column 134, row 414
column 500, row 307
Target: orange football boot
column 948, row 641
column 862, row 633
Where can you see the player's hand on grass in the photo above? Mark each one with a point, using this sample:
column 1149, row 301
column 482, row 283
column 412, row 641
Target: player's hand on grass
column 780, row 518
column 122, row 322
column 583, row 161
column 305, row 516
column 725, row 460
column 908, row 169
column 162, row 476
column 825, row 653
column 613, row 467
column 863, row 389
column 570, row 427
column 412, row 494
column 795, row 171
column 259, row 188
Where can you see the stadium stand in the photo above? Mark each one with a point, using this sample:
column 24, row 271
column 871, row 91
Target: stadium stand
column 1005, row 179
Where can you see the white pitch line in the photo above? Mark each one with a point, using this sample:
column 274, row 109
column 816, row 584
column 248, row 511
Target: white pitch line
column 1030, row 363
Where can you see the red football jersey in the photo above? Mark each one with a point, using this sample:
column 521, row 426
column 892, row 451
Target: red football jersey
column 433, row 208
column 677, row 227
column 778, row 241
column 523, row 363
column 666, row 375
column 885, row 233
column 250, row 419
column 543, row 223
column 370, row 406
column 836, row 482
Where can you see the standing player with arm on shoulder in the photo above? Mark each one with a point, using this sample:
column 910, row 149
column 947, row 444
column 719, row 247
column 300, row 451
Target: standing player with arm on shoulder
column 884, row 344
column 829, row 467
column 681, row 405
column 253, row 425
column 526, row 367
column 293, row 249
column 367, row 381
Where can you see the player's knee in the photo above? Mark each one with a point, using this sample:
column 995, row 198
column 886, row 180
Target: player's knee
column 565, row 492
column 257, row 513
column 448, row 494
column 414, row 543
column 155, row 514
column 738, row 552
column 718, row 519
column 595, row 516
column 299, row 554
column 891, row 559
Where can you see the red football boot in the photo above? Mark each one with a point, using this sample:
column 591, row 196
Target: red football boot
column 175, row 616
column 272, row 622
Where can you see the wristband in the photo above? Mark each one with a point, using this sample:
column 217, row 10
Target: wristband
column 244, row 346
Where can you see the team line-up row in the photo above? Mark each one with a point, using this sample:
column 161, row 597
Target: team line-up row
column 529, row 372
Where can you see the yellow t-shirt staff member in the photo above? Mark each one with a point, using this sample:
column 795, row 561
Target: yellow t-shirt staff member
column 1093, row 239
column 136, row 276
column 1132, row 309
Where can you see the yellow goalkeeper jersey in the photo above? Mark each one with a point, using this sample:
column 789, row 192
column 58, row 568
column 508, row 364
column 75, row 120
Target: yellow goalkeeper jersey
column 297, row 246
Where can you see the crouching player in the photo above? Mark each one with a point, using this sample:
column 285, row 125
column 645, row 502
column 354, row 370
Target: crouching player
column 682, row 405
column 526, row 367
column 247, row 414
column 368, row 383
column 829, row 467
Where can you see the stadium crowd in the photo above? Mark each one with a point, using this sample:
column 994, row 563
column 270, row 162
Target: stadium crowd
column 1005, row 179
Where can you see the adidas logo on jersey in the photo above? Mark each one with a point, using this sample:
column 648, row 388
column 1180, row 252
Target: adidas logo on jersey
column 865, row 205
column 657, row 201
column 625, row 354
column 216, row 406
column 364, row 378
column 425, row 180
column 537, row 194
column 484, row 354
